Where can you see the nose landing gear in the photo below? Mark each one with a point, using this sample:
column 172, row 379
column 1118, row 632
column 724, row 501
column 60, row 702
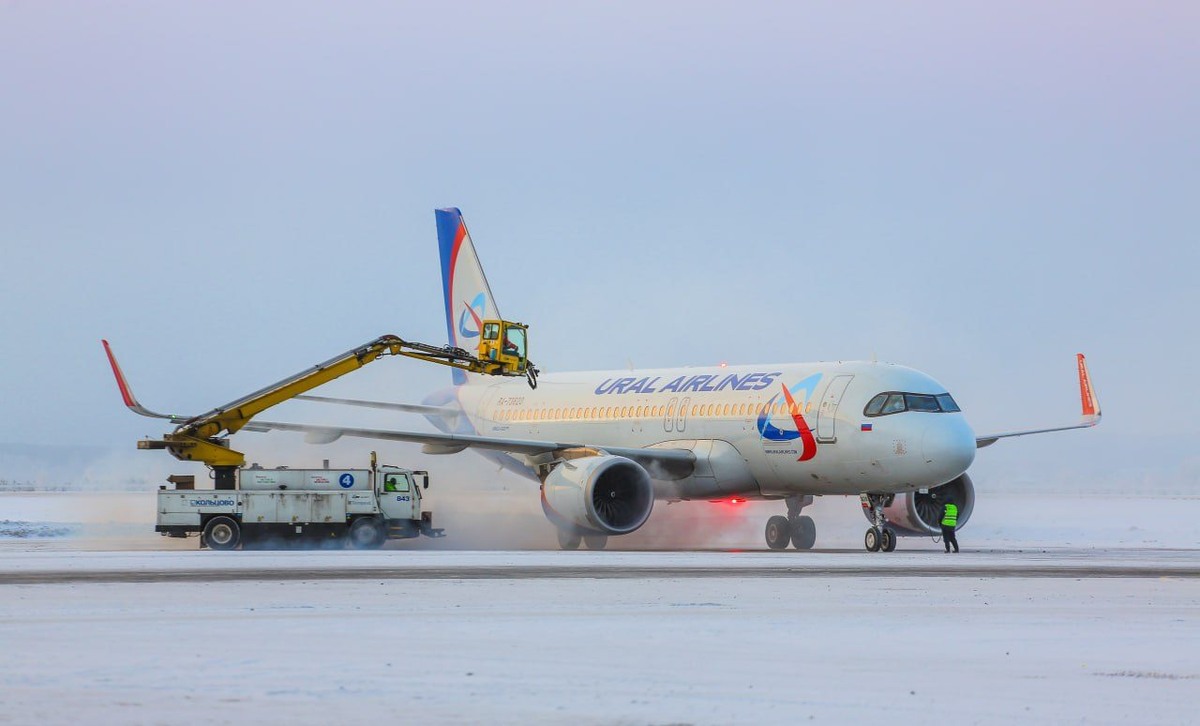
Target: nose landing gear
column 798, row 530
column 879, row 537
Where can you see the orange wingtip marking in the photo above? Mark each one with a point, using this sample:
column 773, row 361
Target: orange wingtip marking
column 126, row 394
column 1086, row 395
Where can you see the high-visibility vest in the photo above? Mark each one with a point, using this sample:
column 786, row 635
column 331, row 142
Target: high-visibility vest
column 950, row 518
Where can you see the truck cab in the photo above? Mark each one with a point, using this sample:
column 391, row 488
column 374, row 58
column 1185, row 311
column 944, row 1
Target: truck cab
column 399, row 493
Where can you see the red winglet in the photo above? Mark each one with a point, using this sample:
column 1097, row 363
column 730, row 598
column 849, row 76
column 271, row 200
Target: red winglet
column 126, row 393
column 1087, row 396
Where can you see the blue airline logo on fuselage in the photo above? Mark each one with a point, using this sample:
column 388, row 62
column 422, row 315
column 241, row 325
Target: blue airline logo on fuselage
column 688, row 384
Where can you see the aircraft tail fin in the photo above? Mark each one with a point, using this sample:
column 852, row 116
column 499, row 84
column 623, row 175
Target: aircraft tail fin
column 467, row 296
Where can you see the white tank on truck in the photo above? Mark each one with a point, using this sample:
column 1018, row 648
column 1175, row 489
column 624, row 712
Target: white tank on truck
column 363, row 507
column 256, row 480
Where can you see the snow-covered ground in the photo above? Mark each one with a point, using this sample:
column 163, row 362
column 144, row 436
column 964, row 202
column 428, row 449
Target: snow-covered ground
column 586, row 650
column 634, row 637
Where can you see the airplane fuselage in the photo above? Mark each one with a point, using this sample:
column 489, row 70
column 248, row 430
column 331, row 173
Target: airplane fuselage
column 758, row 431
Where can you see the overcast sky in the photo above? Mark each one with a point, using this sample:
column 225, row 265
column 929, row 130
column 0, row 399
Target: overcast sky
column 232, row 191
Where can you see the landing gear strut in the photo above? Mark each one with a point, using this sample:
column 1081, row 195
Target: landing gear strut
column 798, row 530
column 879, row 537
column 568, row 539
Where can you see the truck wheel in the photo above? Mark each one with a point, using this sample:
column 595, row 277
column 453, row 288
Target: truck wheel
column 366, row 533
column 222, row 533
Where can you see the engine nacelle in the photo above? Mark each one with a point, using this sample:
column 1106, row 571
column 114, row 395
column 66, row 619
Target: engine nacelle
column 917, row 514
column 598, row 494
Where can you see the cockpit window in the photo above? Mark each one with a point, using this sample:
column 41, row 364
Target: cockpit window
column 947, row 403
column 918, row 402
column 889, row 403
column 894, row 404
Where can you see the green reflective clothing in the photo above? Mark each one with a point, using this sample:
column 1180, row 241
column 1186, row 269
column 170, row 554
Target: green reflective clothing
column 950, row 516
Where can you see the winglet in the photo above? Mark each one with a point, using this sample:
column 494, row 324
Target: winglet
column 1087, row 395
column 122, row 384
column 127, row 396
column 1088, row 400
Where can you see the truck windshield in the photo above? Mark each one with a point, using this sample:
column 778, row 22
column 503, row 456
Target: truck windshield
column 395, row 483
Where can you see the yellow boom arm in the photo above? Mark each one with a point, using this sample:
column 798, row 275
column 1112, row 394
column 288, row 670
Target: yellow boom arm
column 198, row 438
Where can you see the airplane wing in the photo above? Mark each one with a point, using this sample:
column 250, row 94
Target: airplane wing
column 665, row 462
column 406, row 407
column 127, row 393
column 1090, row 416
column 676, row 462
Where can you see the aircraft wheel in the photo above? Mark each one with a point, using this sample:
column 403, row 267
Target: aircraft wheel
column 596, row 542
column 872, row 539
column 222, row 533
column 568, row 540
column 366, row 533
column 887, row 540
column 779, row 532
column 804, row 533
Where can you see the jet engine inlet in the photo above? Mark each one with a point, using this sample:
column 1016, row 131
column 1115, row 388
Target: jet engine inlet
column 921, row 514
column 602, row 494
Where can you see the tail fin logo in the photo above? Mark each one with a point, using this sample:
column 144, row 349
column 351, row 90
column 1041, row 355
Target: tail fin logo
column 770, row 432
column 470, row 328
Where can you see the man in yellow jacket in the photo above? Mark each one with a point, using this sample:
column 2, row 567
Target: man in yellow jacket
column 949, row 524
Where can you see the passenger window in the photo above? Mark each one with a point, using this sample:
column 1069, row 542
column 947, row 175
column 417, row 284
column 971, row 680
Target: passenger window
column 894, row 404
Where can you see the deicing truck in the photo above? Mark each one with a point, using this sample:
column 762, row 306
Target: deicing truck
column 362, row 506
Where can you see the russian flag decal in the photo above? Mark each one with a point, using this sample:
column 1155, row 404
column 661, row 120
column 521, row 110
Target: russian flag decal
column 867, row 426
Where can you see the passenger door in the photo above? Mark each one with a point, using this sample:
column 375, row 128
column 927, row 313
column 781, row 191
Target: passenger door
column 827, row 412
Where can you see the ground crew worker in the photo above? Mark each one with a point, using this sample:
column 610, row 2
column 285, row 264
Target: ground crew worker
column 949, row 523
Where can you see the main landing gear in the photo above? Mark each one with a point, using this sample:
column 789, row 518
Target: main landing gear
column 571, row 539
column 879, row 537
column 798, row 530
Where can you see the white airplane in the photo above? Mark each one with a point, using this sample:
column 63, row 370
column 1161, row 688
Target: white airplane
column 605, row 445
